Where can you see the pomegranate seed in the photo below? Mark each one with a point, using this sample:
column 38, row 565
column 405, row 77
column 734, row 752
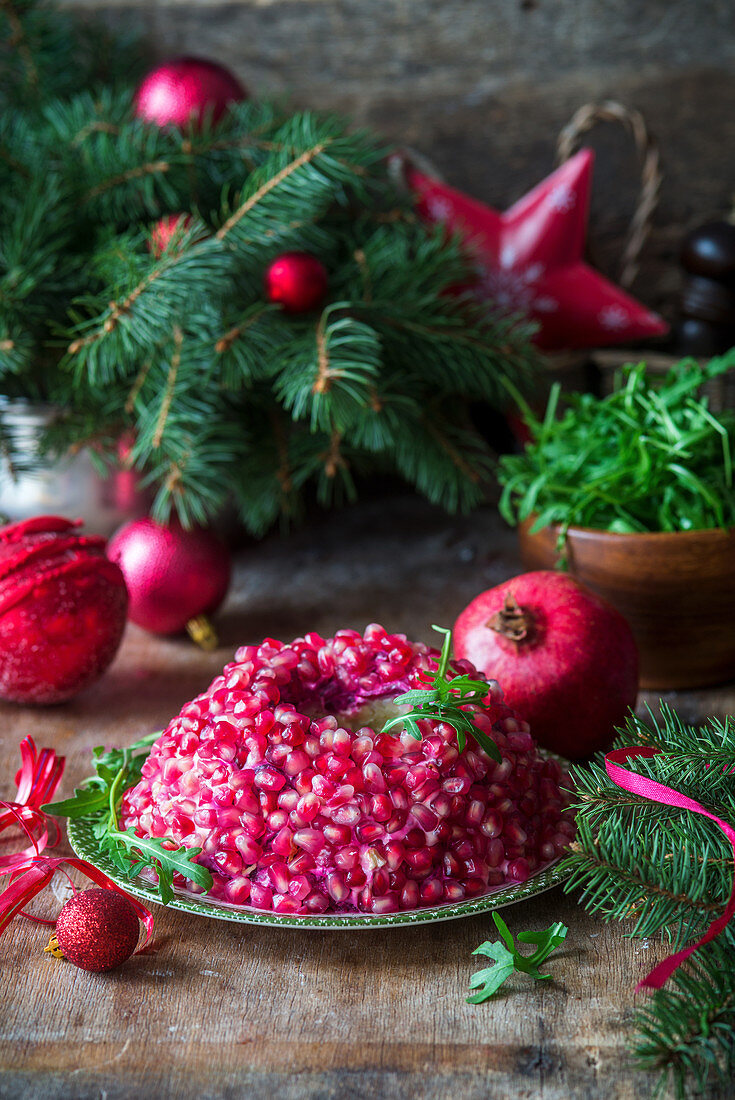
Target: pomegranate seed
column 431, row 891
column 380, row 882
column 347, row 857
column 308, row 807
column 316, row 903
column 453, row 891
column 279, row 876
column 346, row 815
column 282, row 842
column 336, row 887
column 337, row 835
column 424, row 817
column 381, row 807
column 248, row 849
column 237, row 890
column 519, row 870
column 495, row 853
column 229, row 863
column 475, row 813
column 301, row 863
column 492, row 824
column 396, row 822
column 311, row 840
column 419, row 860
column 299, row 887
column 410, row 895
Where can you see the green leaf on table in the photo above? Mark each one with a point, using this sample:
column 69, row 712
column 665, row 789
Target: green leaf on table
column 508, row 960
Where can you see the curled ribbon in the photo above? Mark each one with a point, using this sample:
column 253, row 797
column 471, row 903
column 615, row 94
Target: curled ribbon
column 657, row 792
column 30, row 870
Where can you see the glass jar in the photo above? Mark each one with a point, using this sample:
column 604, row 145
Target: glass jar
column 70, row 486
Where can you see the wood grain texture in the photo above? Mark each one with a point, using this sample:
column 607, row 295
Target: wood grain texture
column 217, row 1011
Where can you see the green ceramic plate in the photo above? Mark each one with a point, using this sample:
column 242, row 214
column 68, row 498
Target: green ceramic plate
column 85, row 846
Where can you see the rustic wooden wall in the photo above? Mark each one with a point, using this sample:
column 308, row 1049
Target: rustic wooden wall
column 483, row 87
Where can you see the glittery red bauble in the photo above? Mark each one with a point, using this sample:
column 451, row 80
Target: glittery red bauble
column 97, row 929
column 62, row 610
column 184, row 88
column 166, row 228
column 297, row 281
column 172, row 574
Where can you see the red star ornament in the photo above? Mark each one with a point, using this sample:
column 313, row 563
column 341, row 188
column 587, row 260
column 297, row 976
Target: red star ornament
column 530, row 262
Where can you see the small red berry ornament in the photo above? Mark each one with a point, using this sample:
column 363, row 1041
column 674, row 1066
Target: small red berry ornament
column 165, row 229
column 62, row 610
column 297, row 281
column 96, row 930
column 182, row 89
column 565, row 658
column 175, row 577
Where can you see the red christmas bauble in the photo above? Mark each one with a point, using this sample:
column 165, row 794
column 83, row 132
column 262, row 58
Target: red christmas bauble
column 183, row 88
column 62, row 610
column 165, row 229
column 297, row 281
column 173, row 575
column 97, row 930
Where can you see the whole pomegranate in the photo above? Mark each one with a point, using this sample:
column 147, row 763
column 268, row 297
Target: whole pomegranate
column 565, row 658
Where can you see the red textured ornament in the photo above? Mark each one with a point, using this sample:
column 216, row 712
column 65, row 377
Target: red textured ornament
column 165, row 229
column 97, row 930
column 173, row 575
column 529, row 259
column 62, row 610
column 297, row 281
column 182, row 89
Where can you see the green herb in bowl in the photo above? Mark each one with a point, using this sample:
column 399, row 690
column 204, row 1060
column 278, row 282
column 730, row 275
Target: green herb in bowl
column 649, row 457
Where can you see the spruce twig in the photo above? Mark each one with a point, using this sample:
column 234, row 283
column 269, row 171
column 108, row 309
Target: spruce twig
column 668, row 871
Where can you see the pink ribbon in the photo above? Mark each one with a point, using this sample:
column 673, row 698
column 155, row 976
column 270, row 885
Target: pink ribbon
column 657, row 792
column 30, row 871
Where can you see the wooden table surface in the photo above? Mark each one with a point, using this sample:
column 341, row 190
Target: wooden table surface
column 224, row 1011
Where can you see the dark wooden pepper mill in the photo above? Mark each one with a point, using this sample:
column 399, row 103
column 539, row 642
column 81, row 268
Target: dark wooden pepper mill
column 707, row 324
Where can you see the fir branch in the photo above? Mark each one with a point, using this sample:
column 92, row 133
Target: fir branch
column 152, row 168
column 168, row 393
column 670, row 871
column 265, row 188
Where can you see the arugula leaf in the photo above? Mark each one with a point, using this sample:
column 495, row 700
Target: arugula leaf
column 649, row 456
column 117, row 771
column 508, row 959
column 443, row 702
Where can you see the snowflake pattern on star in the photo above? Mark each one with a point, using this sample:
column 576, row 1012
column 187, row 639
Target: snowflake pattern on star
column 516, row 291
column 438, row 208
column 613, row 318
column 563, row 198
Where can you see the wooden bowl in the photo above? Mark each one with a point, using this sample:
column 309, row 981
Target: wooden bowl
column 676, row 590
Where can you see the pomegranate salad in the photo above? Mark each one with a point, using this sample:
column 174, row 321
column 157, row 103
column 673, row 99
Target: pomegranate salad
column 281, row 774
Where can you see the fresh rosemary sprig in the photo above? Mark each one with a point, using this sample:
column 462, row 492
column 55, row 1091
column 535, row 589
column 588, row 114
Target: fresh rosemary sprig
column 650, row 456
column 508, row 959
column 445, row 701
column 100, row 798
